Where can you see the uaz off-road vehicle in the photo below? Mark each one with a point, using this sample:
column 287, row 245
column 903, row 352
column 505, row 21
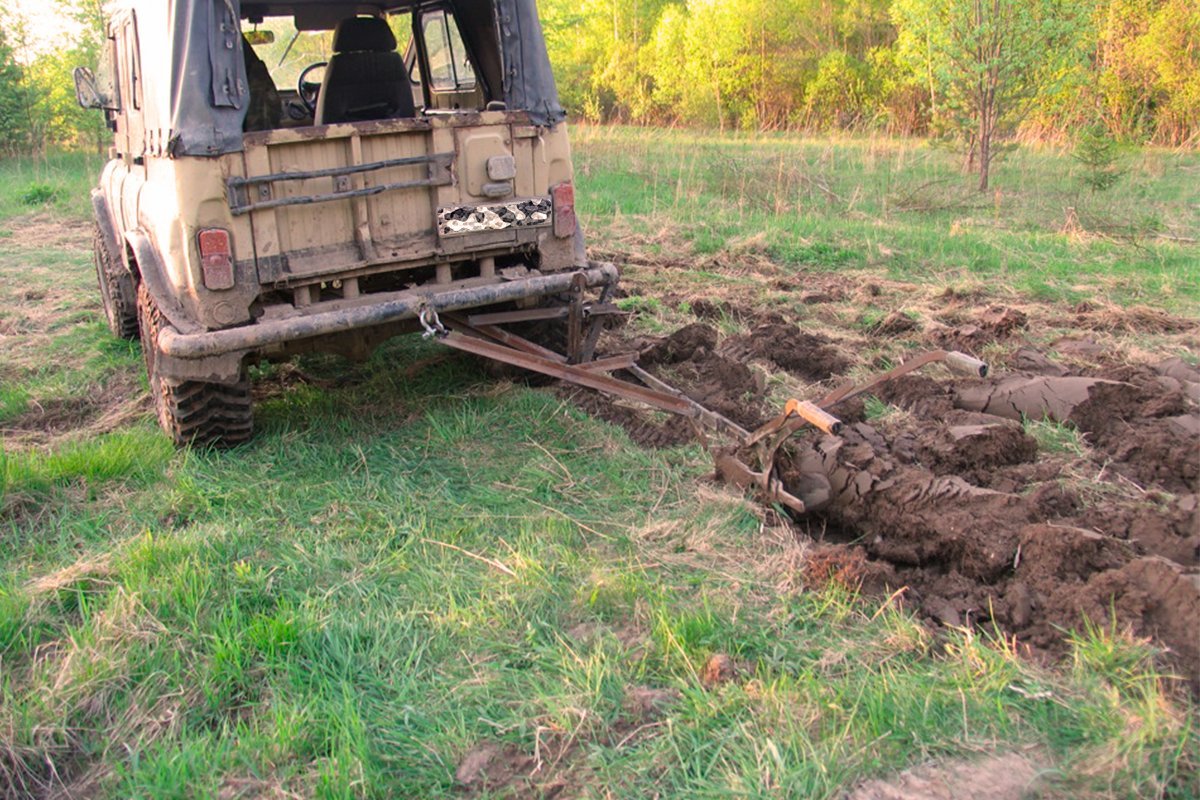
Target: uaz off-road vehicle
column 241, row 218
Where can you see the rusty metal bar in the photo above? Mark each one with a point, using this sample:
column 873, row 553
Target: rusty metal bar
column 611, row 364
column 506, row 338
column 571, row 374
column 332, row 172
column 716, row 420
column 509, row 317
column 961, row 363
column 260, row 334
column 575, row 323
column 238, row 208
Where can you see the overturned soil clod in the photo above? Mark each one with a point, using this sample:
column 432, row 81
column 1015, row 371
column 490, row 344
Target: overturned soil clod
column 808, row 356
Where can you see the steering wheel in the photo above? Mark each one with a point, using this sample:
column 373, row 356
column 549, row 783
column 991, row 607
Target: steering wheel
column 309, row 90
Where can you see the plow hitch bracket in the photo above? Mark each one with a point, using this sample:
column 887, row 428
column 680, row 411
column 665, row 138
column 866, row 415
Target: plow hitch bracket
column 746, row 458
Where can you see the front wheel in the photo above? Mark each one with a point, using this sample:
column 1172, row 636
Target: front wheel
column 193, row 412
column 116, row 291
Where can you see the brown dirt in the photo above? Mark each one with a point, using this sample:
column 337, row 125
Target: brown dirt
column 719, row 669
column 112, row 406
column 808, row 356
column 681, row 346
column 1002, row 777
column 953, row 502
column 1034, row 563
column 894, row 323
column 491, row 766
column 961, row 506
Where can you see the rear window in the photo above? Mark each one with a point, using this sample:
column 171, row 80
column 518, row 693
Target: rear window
column 450, row 68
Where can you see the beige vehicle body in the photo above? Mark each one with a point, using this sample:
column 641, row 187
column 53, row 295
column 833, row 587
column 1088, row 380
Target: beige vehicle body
column 324, row 230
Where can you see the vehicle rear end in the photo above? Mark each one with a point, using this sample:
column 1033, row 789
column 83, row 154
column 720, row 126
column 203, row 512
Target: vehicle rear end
column 355, row 212
column 261, row 221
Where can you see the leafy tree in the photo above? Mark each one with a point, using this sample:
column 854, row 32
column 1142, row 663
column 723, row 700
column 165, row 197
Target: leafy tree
column 986, row 60
column 1148, row 58
column 14, row 101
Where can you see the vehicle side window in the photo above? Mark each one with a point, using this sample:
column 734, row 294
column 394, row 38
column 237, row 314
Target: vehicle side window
column 450, row 68
column 133, row 63
column 106, row 74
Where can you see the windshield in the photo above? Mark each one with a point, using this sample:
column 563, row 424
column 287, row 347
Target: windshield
column 291, row 51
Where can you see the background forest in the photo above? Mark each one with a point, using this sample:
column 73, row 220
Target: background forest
column 1132, row 66
column 1036, row 69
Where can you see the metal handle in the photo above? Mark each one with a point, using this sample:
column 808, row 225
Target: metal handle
column 964, row 364
column 814, row 415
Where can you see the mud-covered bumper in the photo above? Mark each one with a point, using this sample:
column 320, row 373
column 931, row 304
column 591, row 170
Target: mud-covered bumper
column 406, row 306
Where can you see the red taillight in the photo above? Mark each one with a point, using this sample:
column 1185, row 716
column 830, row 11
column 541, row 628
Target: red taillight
column 563, row 196
column 216, row 258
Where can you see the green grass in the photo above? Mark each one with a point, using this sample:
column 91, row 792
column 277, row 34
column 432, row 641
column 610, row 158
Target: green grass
column 902, row 208
column 59, row 182
column 402, row 567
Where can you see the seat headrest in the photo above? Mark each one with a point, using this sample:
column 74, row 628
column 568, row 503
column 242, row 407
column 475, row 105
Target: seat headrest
column 363, row 35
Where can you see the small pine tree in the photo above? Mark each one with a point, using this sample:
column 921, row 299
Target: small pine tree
column 1100, row 157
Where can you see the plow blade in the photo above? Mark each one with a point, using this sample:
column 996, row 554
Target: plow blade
column 744, row 458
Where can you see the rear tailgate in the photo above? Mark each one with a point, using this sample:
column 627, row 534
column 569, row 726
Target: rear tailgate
column 341, row 198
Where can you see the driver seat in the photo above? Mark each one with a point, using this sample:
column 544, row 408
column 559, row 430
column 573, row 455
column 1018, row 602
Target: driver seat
column 366, row 78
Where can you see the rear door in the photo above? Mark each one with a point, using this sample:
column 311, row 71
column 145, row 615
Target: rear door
column 332, row 199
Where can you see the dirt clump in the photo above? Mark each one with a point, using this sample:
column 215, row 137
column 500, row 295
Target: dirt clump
column 1018, row 397
column 644, row 429
column 646, row 703
column 970, row 335
column 717, row 310
column 1034, row 362
column 920, row 394
column 808, row 356
column 681, row 345
column 719, row 669
column 1142, row 425
column 912, row 517
column 1003, row 321
column 973, row 451
column 726, row 386
column 974, row 556
column 1170, row 530
column 953, row 505
column 895, row 323
column 490, row 766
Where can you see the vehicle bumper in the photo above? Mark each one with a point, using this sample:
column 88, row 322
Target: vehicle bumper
column 260, row 335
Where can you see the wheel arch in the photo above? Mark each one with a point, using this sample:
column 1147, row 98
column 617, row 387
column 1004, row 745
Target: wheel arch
column 113, row 245
column 147, row 266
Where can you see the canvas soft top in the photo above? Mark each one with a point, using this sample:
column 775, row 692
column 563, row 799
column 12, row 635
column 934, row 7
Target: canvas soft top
column 199, row 111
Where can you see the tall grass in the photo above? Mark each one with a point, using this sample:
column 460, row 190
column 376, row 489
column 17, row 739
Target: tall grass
column 903, row 208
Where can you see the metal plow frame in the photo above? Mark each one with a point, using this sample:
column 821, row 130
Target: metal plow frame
column 744, row 458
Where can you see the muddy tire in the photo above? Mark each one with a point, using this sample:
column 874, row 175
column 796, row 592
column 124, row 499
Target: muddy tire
column 193, row 412
column 116, row 291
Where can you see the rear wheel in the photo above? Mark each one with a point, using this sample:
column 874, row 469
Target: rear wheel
column 116, row 291
column 193, row 412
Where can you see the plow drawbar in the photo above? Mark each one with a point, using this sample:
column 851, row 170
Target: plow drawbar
column 743, row 458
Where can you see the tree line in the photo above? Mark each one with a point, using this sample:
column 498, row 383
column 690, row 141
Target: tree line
column 974, row 70
column 1042, row 69
column 38, row 109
